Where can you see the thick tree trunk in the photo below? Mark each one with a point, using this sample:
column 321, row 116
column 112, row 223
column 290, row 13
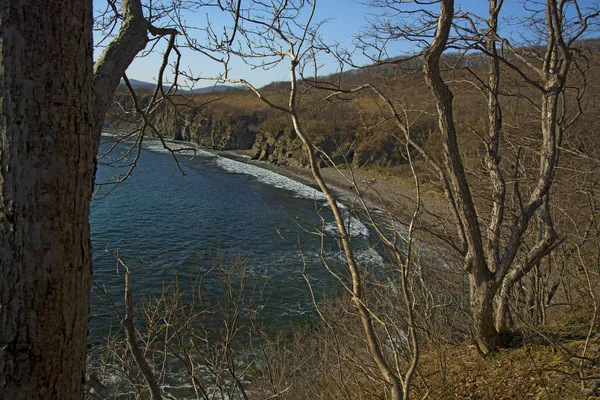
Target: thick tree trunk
column 482, row 284
column 46, row 179
column 482, row 313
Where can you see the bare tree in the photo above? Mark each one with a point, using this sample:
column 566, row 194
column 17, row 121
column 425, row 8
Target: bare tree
column 47, row 156
column 284, row 30
column 494, row 249
column 177, row 341
column 53, row 105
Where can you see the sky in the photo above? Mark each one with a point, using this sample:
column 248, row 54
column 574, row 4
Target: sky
column 343, row 20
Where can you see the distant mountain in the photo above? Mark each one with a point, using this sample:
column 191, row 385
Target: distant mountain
column 141, row 85
column 214, row 88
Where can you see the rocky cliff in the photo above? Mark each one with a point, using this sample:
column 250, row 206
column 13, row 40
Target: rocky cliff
column 221, row 126
column 215, row 129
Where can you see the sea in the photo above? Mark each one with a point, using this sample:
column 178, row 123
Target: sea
column 184, row 210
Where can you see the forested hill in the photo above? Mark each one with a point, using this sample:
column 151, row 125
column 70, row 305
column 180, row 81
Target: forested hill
column 354, row 129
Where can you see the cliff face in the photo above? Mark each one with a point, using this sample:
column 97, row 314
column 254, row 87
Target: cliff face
column 215, row 131
column 269, row 135
column 279, row 146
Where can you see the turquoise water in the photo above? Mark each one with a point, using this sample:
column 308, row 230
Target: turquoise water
column 219, row 206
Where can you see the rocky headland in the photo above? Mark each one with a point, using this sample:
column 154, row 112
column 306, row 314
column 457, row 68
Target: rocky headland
column 235, row 121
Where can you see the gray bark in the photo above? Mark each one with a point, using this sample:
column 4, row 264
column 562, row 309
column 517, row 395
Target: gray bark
column 483, row 329
column 481, row 278
column 46, row 178
column 492, row 266
column 112, row 63
column 492, row 156
column 53, row 102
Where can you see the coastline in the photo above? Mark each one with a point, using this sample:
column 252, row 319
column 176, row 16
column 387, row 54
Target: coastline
column 383, row 191
column 390, row 192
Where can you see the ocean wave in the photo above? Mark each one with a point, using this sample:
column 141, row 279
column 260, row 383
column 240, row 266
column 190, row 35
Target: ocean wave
column 270, row 267
column 297, row 309
column 369, row 256
column 354, row 226
column 270, row 178
column 109, row 134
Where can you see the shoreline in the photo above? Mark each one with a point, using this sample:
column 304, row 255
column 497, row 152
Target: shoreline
column 299, row 174
column 382, row 191
column 391, row 191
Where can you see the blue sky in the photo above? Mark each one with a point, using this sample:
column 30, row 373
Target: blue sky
column 345, row 18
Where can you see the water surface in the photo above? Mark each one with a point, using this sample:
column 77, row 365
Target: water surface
column 164, row 222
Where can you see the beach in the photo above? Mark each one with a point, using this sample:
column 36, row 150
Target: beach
column 382, row 191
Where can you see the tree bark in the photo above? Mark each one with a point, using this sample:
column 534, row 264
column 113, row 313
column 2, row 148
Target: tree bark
column 483, row 287
column 483, row 329
column 46, row 179
column 53, row 101
column 114, row 60
column 502, row 310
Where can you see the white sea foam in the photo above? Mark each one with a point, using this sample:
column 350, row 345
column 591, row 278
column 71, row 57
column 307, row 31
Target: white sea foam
column 270, row 178
column 353, row 225
column 297, row 308
column 369, row 256
column 109, row 134
column 263, row 175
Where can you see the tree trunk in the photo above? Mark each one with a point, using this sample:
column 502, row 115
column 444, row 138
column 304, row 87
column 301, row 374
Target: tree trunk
column 482, row 284
column 46, row 180
column 483, row 330
column 116, row 57
column 502, row 309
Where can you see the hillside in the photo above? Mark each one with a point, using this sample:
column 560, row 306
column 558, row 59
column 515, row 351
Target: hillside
column 349, row 129
column 552, row 349
column 237, row 120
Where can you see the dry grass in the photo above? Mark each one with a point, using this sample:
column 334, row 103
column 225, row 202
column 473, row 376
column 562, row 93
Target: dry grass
column 531, row 371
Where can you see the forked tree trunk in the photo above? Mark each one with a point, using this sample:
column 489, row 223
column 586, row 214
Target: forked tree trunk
column 483, row 329
column 46, row 178
column 540, row 198
column 503, row 311
column 482, row 283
